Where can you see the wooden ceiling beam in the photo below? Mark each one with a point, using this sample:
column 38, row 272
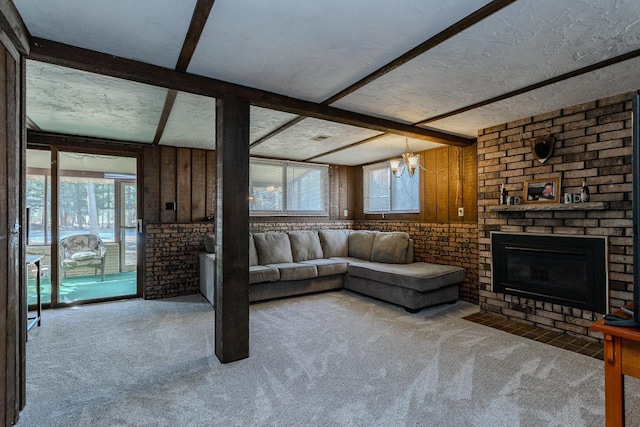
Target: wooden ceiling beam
column 557, row 79
column 99, row 145
column 164, row 117
column 453, row 30
column 109, row 65
column 198, row 21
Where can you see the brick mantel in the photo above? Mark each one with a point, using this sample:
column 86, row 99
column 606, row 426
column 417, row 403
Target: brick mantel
column 593, row 143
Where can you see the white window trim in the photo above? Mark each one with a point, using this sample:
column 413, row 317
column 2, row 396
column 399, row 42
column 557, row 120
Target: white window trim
column 285, row 212
column 365, row 180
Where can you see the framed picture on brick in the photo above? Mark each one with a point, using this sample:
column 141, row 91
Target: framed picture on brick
column 545, row 190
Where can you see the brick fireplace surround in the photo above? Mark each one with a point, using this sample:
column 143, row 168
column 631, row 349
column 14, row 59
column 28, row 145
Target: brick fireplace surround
column 593, row 143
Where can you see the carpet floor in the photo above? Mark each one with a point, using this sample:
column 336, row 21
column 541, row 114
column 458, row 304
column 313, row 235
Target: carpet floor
column 332, row 359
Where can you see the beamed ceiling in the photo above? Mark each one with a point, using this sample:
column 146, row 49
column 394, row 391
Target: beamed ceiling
column 332, row 81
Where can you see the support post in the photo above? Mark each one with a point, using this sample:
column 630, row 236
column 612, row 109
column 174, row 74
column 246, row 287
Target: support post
column 232, row 229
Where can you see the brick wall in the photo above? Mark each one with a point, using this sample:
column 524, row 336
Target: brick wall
column 258, row 226
column 171, row 258
column 593, row 143
column 453, row 244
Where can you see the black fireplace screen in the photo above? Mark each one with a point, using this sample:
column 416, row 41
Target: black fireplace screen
column 569, row 271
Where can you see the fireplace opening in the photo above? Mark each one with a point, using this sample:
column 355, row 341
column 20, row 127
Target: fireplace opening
column 565, row 270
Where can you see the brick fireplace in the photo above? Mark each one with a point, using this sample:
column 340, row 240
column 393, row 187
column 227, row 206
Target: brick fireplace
column 593, row 143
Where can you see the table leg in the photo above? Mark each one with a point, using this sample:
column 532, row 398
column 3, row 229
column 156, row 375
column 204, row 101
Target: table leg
column 613, row 382
column 38, row 293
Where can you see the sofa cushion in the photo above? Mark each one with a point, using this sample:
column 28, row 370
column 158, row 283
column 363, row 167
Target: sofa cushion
column 347, row 259
column 409, row 258
column 295, row 271
column 419, row 276
column 361, row 243
column 328, row 267
column 305, row 245
column 210, row 243
column 273, row 248
column 253, row 253
column 334, row 242
column 261, row 273
column 390, row 247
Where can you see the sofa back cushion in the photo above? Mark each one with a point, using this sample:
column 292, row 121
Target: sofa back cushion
column 334, row 243
column 390, row 247
column 273, row 248
column 361, row 243
column 409, row 258
column 305, row 245
column 253, row 253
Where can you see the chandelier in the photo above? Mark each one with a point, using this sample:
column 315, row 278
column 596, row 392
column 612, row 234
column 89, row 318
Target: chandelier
column 409, row 162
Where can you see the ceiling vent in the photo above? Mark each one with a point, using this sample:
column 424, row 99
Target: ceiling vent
column 320, row 138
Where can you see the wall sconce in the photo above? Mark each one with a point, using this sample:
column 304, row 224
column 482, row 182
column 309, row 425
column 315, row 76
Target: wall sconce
column 409, row 161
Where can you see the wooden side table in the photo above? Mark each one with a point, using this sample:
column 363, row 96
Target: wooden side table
column 621, row 357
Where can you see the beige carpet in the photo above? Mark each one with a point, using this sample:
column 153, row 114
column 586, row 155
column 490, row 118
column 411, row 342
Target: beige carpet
column 333, row 359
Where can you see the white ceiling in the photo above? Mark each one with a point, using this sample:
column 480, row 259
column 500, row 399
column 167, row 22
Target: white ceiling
column 313, row 50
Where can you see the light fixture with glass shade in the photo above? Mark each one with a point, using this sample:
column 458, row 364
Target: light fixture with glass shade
column 409, row 161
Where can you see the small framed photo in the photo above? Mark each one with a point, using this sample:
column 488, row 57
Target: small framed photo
column 545, row 190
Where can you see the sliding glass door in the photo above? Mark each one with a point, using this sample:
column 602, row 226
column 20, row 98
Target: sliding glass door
column 96, row 212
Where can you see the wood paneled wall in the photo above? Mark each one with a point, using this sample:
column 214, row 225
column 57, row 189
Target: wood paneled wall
column 187, row 177
column 183, row 176
column 13, row 311
column 449, row 183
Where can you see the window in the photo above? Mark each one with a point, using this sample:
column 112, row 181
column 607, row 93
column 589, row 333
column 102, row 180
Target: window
column 384, row 193
column 287, row 188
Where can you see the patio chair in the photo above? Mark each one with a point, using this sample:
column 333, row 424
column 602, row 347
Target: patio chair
column 83, row 250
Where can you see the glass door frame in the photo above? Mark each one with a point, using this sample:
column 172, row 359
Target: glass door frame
column 55, row 149
column 121, row 221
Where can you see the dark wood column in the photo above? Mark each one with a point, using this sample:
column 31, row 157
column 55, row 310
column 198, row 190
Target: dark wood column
column 232, row 229
column 13, row 310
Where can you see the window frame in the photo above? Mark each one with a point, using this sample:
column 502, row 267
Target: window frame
column 366, row 177
column 285, row 211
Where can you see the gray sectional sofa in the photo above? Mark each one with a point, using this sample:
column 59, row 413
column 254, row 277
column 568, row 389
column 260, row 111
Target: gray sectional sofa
column 377, row 264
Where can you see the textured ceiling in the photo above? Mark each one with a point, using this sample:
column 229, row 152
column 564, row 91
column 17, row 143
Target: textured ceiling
column 67, row 101
column 314, row 50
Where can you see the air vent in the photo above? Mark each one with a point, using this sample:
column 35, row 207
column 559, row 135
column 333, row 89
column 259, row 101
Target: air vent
column 320, row 138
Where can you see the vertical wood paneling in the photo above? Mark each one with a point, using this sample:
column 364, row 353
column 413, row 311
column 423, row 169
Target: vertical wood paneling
column 6, row 346
column 151, row 179
column 343, row 186
column 198, row 185
column 352, row 191
column 15, row 300
column 442, row 187
column 211, row 184
column 21, row 93
column 358, row 203
column 455, row 183
column 429, row 195
column 167, row 183
column 12, row 281
column 470, row 184
column 183, row 184
column 334, row 191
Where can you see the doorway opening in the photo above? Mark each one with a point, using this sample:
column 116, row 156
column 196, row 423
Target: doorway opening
column 82, row 216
